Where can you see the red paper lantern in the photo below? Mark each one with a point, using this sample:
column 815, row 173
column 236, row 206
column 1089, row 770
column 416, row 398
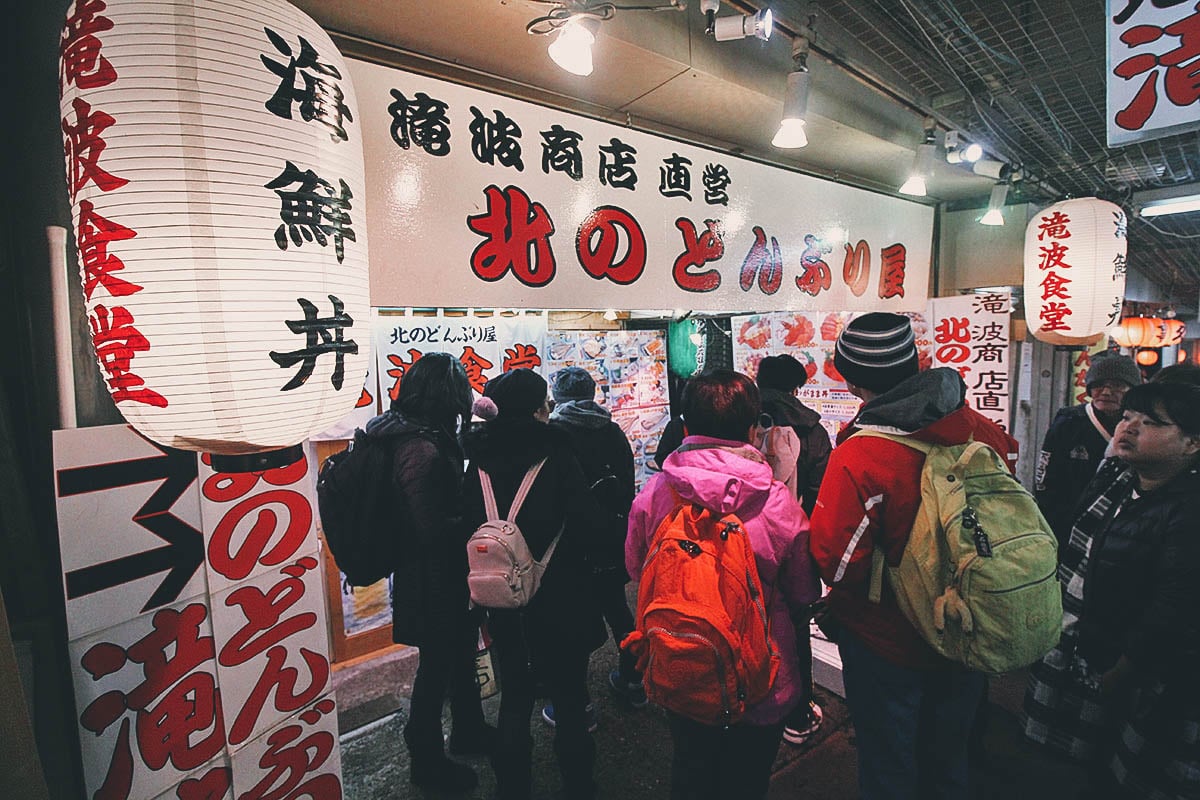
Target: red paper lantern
column 1147, row 358
column 1175, row 330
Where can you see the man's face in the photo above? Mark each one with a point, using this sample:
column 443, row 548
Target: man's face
column 1107, row 395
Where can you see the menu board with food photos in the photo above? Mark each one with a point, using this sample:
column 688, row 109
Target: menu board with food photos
column 809, row 337
column 969, row 333
column 630, row 370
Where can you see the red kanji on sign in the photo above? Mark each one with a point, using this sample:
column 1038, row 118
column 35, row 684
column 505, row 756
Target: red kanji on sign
column 766, row 264
column 1181, row 80
column 856, row 269
column 475, row 365
column 117, row 342
column 1054, row 226
column 521, row 356
column 891, row 275
column 401, row 367
column 1055, row 285
column 954, row 335
column 264, row 631
column 1052, row 256
column 84, row 146
column 79, row 47
column 511, row 225
column 599, row 238
column 93, row 234
column 187, row 699
column 1053, row 315
column 698, row 251
column 290, row 759
column 816, row 277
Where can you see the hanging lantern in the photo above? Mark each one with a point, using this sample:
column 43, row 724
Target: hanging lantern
column 1147, row 358
column 1139, row 331
column 1173, row 331
column 1155, row 333
column 1075, row 270
column 1122, row 335
column 215, row 172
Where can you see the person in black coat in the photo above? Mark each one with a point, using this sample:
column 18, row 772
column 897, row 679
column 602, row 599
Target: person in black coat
column 607, row 462
column 1076, row 440
column 430, row 605
column 549, row 640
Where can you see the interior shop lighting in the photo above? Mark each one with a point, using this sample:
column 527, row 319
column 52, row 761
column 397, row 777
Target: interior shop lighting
column 610, row 315
column 1171, row 200
column 576, row 23
column 792, row 133
column 922, row 166
column 994, row 214
column 958, row 151
column 572, row 48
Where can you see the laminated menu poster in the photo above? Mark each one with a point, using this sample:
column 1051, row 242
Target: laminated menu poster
column 969, row 333
column 810, row 338
column 630, row 369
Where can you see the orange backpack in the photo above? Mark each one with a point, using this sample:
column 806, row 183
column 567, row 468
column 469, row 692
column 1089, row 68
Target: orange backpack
column 702, row 640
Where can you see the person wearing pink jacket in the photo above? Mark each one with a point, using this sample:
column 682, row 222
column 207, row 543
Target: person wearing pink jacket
column 717, row 468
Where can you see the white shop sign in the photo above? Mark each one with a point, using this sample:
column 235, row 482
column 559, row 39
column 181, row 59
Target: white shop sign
column 481, row 200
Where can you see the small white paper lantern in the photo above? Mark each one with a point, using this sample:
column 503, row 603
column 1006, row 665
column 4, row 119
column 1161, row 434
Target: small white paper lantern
column 214, row 164
column 1075, row 270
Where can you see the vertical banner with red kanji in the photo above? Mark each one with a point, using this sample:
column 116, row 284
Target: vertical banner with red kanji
column 1152, row 86
column 971, row 335
column 486, row 346
column 197, row 623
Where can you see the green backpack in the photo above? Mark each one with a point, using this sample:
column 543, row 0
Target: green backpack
column 978, row 577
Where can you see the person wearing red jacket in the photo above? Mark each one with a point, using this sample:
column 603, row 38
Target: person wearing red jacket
column 912, row 710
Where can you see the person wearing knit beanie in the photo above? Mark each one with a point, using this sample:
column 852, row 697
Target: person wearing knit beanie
column 573, row 384
column 1077, row 439
column 876, row 351
column 512, row 396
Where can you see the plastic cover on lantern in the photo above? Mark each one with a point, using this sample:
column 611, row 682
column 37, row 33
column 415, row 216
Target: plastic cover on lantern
column 1074, row 270
column 215, row 169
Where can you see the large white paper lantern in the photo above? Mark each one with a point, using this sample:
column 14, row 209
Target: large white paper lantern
column 1075, row 270
column 214, row 164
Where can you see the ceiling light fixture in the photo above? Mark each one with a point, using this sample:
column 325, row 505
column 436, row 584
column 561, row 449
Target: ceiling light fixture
column 792, row 133
column 576, row 23
column 922, row 167
column 994, row 214
column 957, row 151
column 572, row 48
column 1171, row 200
column 740, row 26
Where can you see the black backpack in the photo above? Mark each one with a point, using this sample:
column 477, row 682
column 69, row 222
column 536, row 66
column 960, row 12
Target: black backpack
column 359, row 507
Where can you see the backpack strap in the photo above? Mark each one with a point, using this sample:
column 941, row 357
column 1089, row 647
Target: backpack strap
column 489, row 495
column 878, row 559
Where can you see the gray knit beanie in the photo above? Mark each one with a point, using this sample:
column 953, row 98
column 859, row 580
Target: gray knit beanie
column 877, row 351
column 1110, row 366
column 572, row 383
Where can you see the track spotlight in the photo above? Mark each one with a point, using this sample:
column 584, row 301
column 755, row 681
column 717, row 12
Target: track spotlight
column 994, row 214
column 958, row 151
column 992, row 169
column 922, row 166
column 791, row 133
column 739, row 26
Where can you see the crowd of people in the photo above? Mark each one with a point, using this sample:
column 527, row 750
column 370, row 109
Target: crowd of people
column 1117, row 482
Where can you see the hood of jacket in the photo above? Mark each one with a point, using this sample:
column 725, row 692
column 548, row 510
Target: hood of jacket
column 514, row 445
column 582, row 413
column 393, row 423
column 915, row 403
column 785, row 409
column 725, row 476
